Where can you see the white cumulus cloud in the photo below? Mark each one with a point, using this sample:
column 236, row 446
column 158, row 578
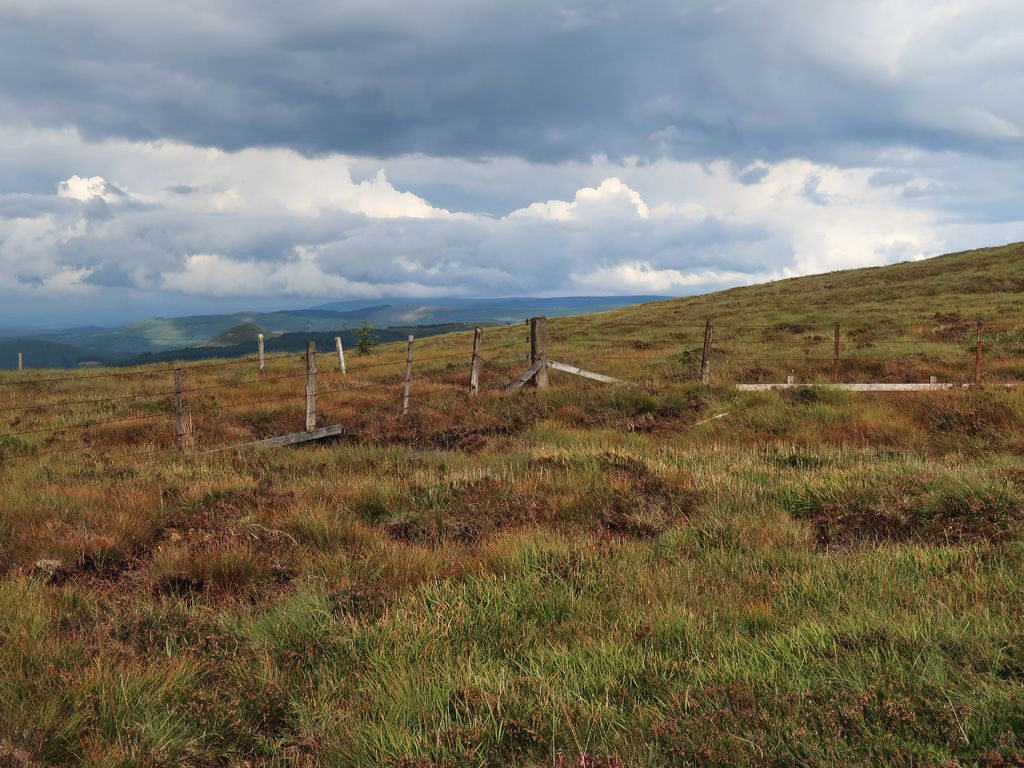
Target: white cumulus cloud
column 95, row 187
column 611, row 199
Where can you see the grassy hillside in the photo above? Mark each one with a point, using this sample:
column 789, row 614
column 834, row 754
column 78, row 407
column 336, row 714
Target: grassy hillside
column 589, row 575
column 899, row 323
column 985, row 284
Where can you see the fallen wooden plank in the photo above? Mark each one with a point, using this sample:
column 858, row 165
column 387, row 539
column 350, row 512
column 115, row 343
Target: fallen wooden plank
column 528, row 374
column 860, row 387
column 292, row 439
column 580, row 372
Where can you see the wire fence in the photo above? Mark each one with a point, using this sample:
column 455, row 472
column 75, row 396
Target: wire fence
column 164, row 410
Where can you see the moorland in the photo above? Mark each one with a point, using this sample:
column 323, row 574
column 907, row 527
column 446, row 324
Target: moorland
column 658, row 572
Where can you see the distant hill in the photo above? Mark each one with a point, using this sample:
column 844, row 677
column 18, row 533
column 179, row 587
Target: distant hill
column 49, row 333
column 518, row 302
column 246, row 333
column 40, row 353
column 504, row 310
column 296, row 342
column 159, row 334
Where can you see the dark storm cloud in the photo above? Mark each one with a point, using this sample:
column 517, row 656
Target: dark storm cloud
column 492, row 147
column 544, row 81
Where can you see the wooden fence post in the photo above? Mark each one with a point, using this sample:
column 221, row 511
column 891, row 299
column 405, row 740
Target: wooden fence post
column 341, row 355
column 977, row 357
column 19, row 361
column 408, row 377
column 179, row 425
column 835, row 358
column 705, row 361
column 311, row 386
column 259, row 341
column 539, row 350
column 474, row 368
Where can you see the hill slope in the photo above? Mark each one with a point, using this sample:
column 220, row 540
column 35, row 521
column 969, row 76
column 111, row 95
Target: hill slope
column 984, row 284
column 656, row 573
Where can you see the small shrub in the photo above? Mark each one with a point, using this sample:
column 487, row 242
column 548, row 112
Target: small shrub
column 366, row 339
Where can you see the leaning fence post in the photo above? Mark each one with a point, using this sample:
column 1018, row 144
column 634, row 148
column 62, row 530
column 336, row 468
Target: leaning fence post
column 705, row 361
column 311, row 386
column 474, row 368
column 259, row 341
column 977, row 357
column 835, row 358
column 179, row 426
column 408, row 377
column 341, row 355
column 539, row 350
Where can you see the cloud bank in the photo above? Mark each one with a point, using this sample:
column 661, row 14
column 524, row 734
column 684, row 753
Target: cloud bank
column 172, row 156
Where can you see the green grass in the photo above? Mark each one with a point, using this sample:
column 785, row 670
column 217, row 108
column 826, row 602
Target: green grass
column 583, row 576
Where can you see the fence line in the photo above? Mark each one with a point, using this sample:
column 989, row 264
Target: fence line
column 953, row 349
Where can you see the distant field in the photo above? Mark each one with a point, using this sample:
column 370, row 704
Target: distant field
column 589, row 575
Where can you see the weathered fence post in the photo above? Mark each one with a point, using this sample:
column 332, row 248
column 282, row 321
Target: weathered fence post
column 179, row 425
column 259, row 341
column 19, row 361
column 977, row 357
column 341, row 355
column 311, row 386
column 408, row 377
column 539, row 350
column 474, row 368
column 835, row 358
column 705, row 360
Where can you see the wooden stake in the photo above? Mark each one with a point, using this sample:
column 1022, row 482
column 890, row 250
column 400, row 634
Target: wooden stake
column 539, row 350
column 311, row 386
column 977, row 358
column 474, row 368
column 705, row 361
column 179, row 425
column 835, row 358
column 408, row 377
column 341, row 355
column 19, row 361
column 259, row 341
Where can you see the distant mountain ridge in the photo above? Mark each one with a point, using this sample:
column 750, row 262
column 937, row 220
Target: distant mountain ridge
column 158, row 335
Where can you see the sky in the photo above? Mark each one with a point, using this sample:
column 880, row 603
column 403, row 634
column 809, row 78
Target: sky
column 170, row 158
